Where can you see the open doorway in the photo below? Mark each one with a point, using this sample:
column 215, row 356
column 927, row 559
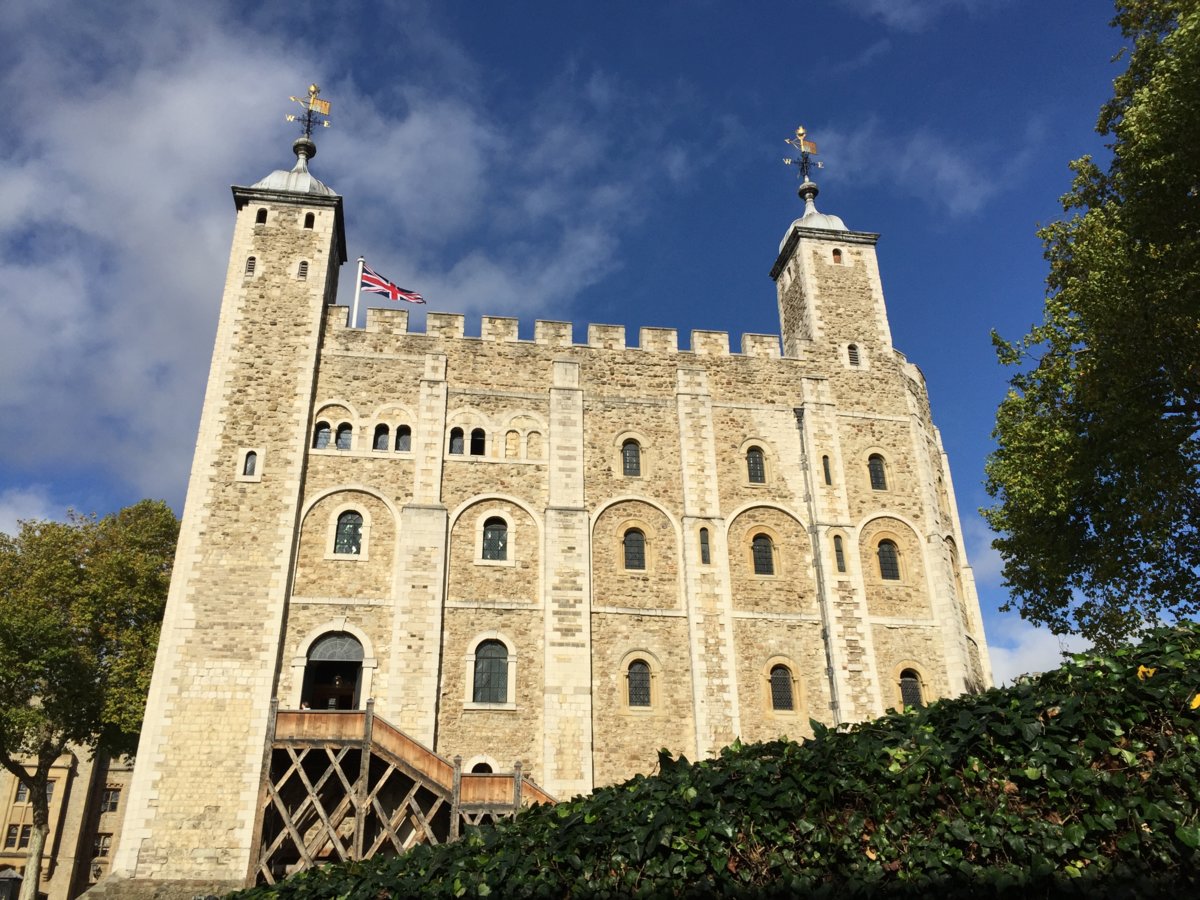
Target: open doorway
column 333, row 674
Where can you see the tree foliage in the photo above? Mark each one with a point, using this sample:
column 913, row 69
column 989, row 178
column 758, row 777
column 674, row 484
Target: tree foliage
column 1083, row 782
column 1097, row 470
column 81, row 602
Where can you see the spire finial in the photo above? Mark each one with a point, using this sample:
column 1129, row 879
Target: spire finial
column 807, row 150
column 316, row 113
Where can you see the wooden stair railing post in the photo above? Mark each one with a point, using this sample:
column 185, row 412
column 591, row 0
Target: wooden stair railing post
column 263, row 782
column 364, row 773
column 517, row 787
column 456, row 799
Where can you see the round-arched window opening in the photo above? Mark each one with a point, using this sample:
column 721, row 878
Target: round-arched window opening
column 333, row 673
column 910, row 688
column 782, row 696
column 481, row 768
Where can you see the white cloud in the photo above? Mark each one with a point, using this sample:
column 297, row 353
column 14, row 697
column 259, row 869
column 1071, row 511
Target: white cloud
column 18, row 504
column 1018, row 647
column 986, row 563
column 864, row 57
column 915, row 15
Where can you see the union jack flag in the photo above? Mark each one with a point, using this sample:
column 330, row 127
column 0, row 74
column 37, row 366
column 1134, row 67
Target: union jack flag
column 373, row 283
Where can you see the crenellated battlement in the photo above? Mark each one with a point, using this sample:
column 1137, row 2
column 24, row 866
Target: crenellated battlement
column 451, row 326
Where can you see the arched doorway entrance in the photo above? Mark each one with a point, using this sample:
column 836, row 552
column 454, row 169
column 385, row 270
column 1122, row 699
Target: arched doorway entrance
column 333, row 673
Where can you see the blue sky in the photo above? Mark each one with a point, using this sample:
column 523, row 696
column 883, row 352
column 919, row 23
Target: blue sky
column 613, row 162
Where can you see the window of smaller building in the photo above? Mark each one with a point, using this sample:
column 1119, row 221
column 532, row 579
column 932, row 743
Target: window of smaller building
column 825, row 467
column 478, row 441
column 782, row 696
column 491, row 673
column 837, row 257
column 910, row 688
column 878, row 472
column 23, row 838
column 631, row 459
column 110, row 800
column 382, row 437
column 638, row 677
column 349, row 533
column 250, row 463
column 403, row 439
column 49, row 792
column 345, row 436
column 839, row 554
column 634, row 545
column 321, row 436
column 456, row 441
column 756, row 469
column 889, row 561
column 763, row 551
column 302, row 271
column 260, row 217
column 852, row 354
column 705, row 552
column 250, row 264
column 10, row 836
column 481, row 768
column 309, row 220
column 495, row 539
column 101, row 845
column 22, row 793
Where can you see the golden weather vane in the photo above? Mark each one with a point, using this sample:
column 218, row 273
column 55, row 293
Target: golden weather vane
column 313, row 107
column 807, row 149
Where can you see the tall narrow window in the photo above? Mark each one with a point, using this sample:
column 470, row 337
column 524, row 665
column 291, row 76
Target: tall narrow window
column 764, row 555
column 491, row 673
column 10, row 837
column 631, row 458
column 349, row 533
column 782, row 696
column 309, row 220
column 260, row 217
column 456, row 440
column 478, row 441
column 828, row 473
column 321, row 436
column 381, row 437
column 852, row 354
column 839, row 554
column 910, row 688
column 23, row 841
column 756, row 469
column 705, row 552
column 250, row 263
column 250, row 463
column 495, row 539
column 877, row 471
column 302, row 271
column 110, row 800
column 403, row 439
column 345, row 434
column 639, row 683
column 102, row 845
column 889, row 561
column 634, row 544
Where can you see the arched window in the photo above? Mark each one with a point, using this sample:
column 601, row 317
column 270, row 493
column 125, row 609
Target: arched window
column 302, row 271
column 348, row 538
column 756, row 469
column 839, row 554
column 481, row 768
column 631, row 458
column 877, row 471
column 381, row 437
column 852, row 354
column 910, row 688
column 638, row 678
column 512, row 445
column 837, row 257
column 260, row 217
column 889, row 561
column 495, row 539
column 705, row 552
column 491, row 673
column 333, row 673
column 456, row 440
column 250, row 263
column 403, row 439
column 478, row 441
column 309, row 220
column 634, row 545
column 828, row 473
column 763, row 551
column 782, row 696
column 250, row 463
column 345, row 434
column 321, row 435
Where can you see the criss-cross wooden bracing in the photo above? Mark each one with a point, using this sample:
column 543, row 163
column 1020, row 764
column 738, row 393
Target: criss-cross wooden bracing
column 340, row 785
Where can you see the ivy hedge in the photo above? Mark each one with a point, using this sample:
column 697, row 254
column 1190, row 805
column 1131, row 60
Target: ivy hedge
column 1084, row 781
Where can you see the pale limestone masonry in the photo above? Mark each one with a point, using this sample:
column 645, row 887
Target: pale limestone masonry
column 747, row 537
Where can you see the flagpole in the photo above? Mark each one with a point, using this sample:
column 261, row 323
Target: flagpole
column 357, row 294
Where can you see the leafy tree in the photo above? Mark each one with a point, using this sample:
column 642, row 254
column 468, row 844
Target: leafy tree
column 80, row 607
column 1097, row 470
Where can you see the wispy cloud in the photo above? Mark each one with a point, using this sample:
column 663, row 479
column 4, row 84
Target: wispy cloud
column 19, row 504
column 915, row 15
column 864, row 57
column 1017, row 648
